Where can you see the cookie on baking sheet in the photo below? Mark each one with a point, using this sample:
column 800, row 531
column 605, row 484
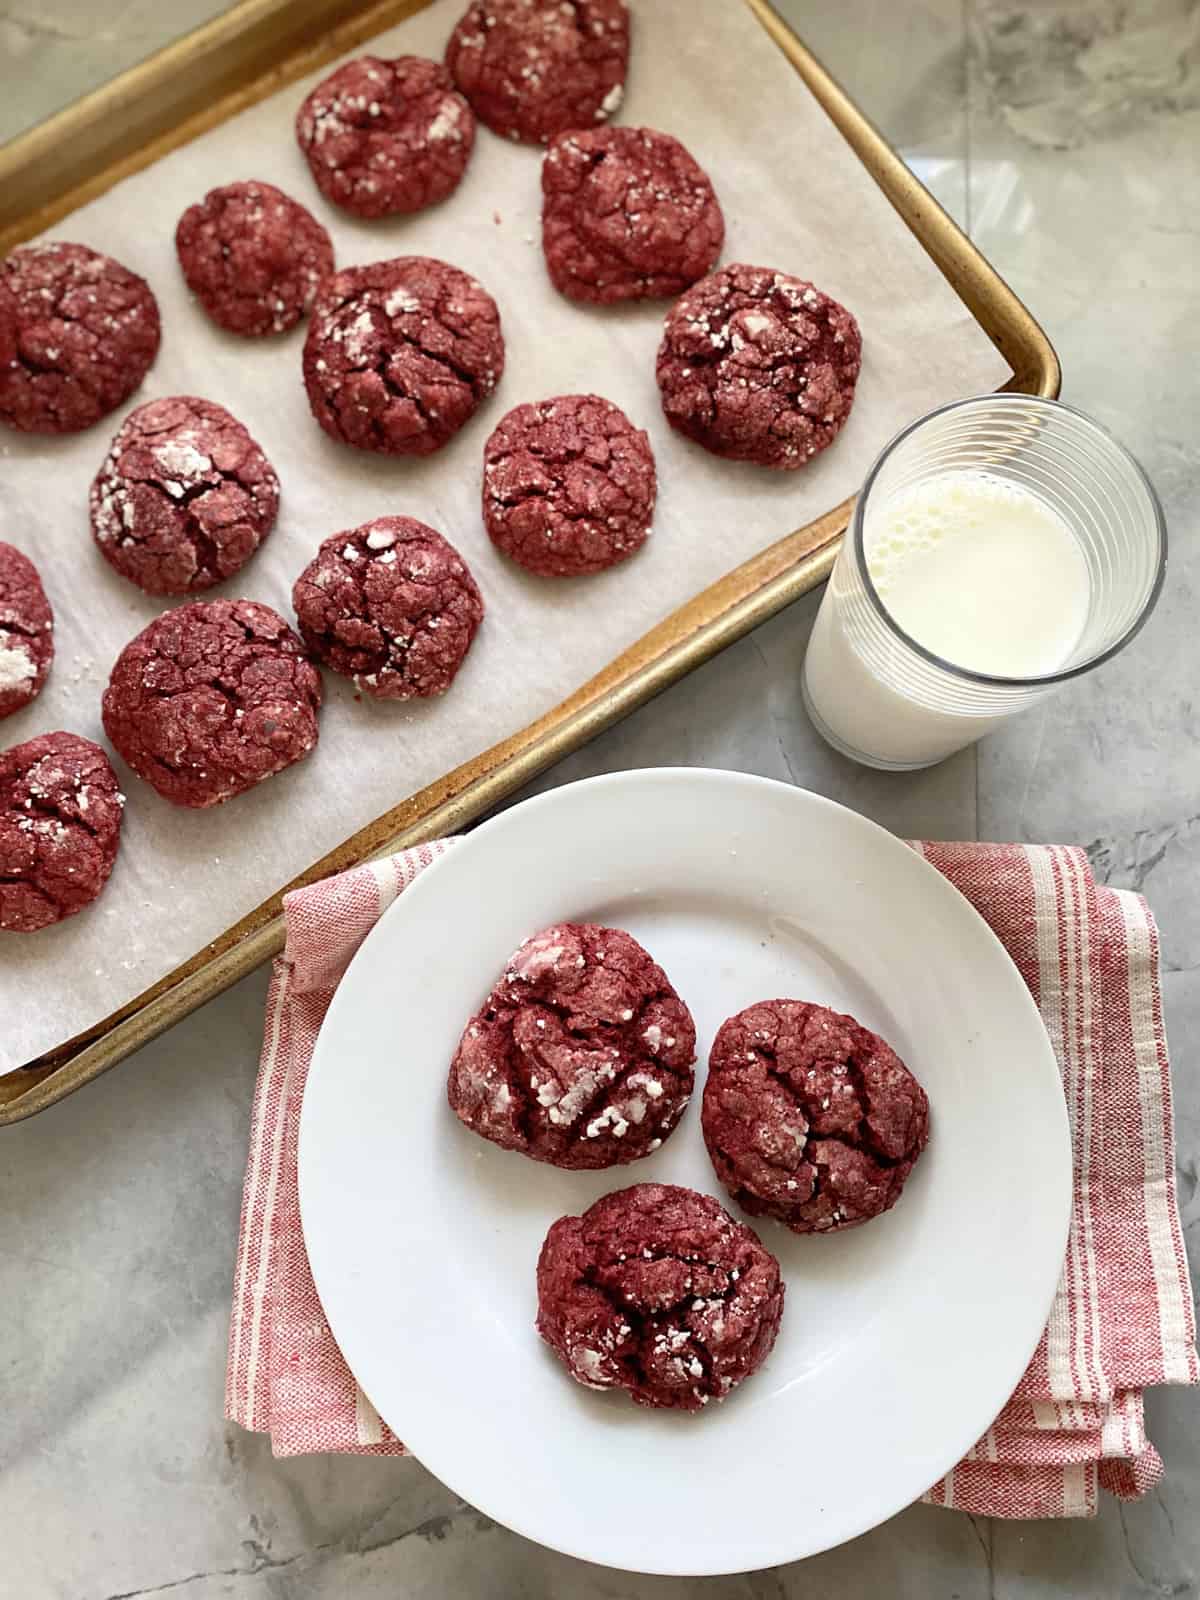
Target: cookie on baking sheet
column 582, row 1054
column 382, row 137
column 758, row 366
column 569, row 485
column 627, row 214
column 184, row 498
column 78, row 332
column 533, row 68
column 253, row 257
column 26, row 631
column 809, row 1117
column 400, row 354
column 212, row 698
column 392, row 605
column 656, row 1290
column 60, row 828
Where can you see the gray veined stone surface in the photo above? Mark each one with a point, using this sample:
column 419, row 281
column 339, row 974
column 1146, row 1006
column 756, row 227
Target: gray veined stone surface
column 1065, row 134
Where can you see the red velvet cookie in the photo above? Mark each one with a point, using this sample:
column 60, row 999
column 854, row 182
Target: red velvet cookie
column 78, row 332
column 60, row 827
column 627, row 214
column 400, row 354
column 658, row 1291
column 184, row 498
column 757, row 366
column 391, row 605
column 532, row 68
column 582, row 1054
column 568, row 485
column 809, row 1117
column 212, row 698
column 253, row 257
column 26, row 631
column 382, row 137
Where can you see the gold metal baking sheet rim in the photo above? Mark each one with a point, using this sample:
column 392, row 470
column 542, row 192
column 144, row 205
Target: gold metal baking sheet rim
column 151, row 109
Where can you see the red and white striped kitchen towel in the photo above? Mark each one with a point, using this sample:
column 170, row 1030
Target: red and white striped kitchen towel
column 1122, row 1318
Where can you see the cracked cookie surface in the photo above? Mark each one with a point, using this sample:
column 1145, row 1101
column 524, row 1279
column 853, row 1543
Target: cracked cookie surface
column 385, row 137
column 582, row 1054
column 60, row 828
column 184, row 498
column 569, row 486
column 253, row 257
column 627, row 214
column 758, row 366
column 78, row 332
column 212, row 698
column 532, row 68
column 400, row 354
column 26, row 631
column 390, row 604
column 809, row 1117
column 656, row 1290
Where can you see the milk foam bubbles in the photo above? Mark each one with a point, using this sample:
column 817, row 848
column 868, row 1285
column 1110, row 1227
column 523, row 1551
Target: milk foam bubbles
column 982, row 572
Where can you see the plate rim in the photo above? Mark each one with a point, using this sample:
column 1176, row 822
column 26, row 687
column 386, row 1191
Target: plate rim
column 1062, row 1179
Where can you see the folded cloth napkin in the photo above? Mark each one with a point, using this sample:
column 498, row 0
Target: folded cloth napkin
column 1122, row 1317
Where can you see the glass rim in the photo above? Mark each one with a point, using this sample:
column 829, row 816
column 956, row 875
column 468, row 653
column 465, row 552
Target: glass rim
column 968, row 674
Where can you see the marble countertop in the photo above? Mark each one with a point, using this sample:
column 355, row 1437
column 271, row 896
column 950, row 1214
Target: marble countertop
column 1063, row 135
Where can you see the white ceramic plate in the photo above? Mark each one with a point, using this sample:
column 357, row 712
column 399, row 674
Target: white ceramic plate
column 900, row 1340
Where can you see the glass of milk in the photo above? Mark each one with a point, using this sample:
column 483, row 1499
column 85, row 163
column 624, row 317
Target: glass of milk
column 999, row 546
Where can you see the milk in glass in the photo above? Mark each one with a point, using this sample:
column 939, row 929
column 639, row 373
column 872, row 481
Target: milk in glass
column 975, row 568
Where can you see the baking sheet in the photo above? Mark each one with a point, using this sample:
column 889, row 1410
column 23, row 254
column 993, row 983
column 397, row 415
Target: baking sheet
column 795, row 197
